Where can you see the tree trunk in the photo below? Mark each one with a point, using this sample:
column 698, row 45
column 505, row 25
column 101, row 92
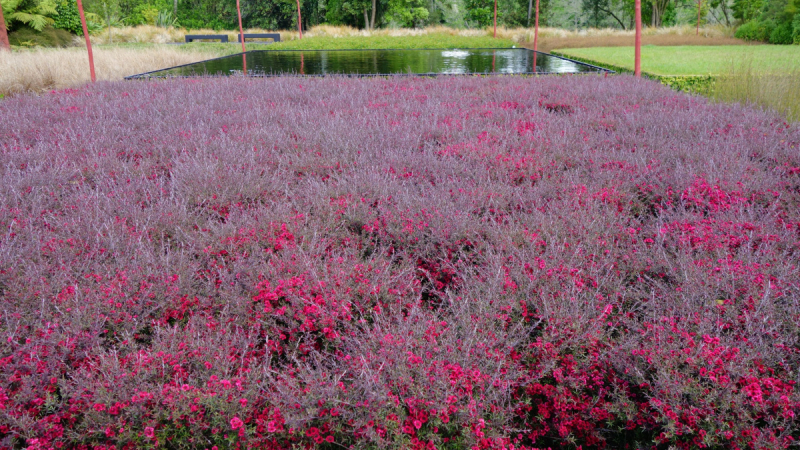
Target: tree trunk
column 699, row 8
column 530, row 6
column 659, row 7
column 611, row 13
column 724, row 8
column 374, row 10
column 174, row 9
column 495, row 19
column 4, row 45
column 366, row 19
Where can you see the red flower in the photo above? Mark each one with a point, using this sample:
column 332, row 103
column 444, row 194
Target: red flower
column 236, row 423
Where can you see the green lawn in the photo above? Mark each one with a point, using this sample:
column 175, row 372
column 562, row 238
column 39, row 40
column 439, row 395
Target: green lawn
column 695, row 60
column 433, row 40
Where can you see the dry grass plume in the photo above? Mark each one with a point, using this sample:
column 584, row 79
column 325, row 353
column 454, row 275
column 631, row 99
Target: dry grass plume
column 46, row 69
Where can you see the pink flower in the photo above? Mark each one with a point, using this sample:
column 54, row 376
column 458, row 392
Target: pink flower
column 149, row 432
column 236, row 423
column 417, row 424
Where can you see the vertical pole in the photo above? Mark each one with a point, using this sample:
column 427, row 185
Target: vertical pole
column 699, row 5
column 88, row 42
column 637, row 60
column 536, row 29
column 241, row 38
column 4, row 45
column 495, row 18
column 536, row 36
column 300, row 20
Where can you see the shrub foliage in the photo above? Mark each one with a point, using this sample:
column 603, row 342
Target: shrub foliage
column 578, row 262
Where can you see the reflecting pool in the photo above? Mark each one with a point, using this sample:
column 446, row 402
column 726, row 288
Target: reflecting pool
column 379, row 62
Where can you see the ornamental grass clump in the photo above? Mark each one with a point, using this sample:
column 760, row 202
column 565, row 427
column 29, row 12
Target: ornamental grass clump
column 474, row 262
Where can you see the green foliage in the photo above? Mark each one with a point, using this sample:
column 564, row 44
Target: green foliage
column 796, row 29
column 747, row 10
column 219, row 15
column 164, row 19
column 781, row 34
column 68, row 18
column 770, row 21
column 47, row 37
column 407, row 13
column 693, row 84
column 36, row 14
column 144, row 14
column 447, row 12
column 480, row 13
column 755, row 30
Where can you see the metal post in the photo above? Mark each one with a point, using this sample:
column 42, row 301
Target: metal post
column 637, row 60
column 536, row 36
column 4, row 45
column 299, row 20
column 88, row 42
column 241, row 38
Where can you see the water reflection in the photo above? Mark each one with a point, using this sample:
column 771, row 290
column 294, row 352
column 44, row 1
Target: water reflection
column 382, row 62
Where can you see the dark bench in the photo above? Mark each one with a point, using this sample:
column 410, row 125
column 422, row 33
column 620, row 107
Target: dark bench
column 220, row 37
column 276, row 37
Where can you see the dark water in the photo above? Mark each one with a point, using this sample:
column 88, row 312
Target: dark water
column 380, row 62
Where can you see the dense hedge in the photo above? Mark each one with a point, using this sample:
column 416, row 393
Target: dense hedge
column 397, row 263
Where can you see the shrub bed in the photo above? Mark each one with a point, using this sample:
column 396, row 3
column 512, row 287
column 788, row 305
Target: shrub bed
column 501, row 262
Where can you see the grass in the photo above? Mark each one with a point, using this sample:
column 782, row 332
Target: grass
column 767, row 76
column 694, row 60
column 779, row 92
column 42, row 70
column 548, row 43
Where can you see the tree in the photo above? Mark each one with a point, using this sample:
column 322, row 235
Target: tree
column 406, row 13
column 446, row 12
column 657, row 13
column 747, row 10
column 599, row 10
column 37, row 14
column 352, row 12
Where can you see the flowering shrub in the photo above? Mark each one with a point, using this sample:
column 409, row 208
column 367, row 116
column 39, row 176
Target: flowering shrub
column 482, row 263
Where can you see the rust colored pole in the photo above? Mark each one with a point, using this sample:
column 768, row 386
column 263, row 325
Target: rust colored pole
column 88, row 42
column 4, row 45
column 699, row 5
column 299, row 20
column 495, row 18
column 241, row 38
column 637, row 60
